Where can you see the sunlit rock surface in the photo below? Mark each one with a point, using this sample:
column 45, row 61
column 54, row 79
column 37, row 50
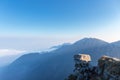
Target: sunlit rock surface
column 108, row 68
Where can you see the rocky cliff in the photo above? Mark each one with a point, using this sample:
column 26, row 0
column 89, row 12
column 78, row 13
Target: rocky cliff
column 108, row 68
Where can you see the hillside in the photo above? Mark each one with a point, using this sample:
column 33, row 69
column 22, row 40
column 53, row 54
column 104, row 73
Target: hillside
column 57, row 64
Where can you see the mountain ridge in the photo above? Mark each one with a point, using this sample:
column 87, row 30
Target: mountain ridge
column 58, row 62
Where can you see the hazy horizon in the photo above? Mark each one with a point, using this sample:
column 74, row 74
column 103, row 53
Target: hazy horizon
column 32, row 25
column 16, row 51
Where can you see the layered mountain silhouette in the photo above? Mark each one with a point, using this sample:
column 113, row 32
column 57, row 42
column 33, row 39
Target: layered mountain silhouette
column 117, row 43
column 57, row 64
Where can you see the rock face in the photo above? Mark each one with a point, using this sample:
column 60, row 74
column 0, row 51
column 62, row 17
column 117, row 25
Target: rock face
column 108, row 68
column 82, row 66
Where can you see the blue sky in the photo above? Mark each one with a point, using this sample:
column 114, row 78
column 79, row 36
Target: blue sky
column 43, row 23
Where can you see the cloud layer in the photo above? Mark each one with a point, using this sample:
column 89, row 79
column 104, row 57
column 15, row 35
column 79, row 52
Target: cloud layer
column 6, row 52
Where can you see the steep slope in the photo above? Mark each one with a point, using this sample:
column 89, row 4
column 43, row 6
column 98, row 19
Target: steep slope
column 6, row 60
column 58, row 64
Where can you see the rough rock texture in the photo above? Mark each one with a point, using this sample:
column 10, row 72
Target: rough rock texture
column 108, row 68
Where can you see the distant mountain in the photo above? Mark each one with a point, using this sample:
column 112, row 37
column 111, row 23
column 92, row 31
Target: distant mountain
column 57, row 64
column 59, row 46
column 117, row 43
column 6, row 60
column 90, row 42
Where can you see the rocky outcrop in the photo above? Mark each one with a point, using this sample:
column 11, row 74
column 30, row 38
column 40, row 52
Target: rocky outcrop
column 108, row 68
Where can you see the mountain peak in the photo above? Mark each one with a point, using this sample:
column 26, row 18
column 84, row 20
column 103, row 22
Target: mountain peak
column 90, row 42
column 93, row 39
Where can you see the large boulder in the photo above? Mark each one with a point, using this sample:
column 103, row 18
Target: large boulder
column 109, row 68
column 82, row 57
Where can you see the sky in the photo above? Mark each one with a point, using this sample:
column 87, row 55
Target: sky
column 33, row 25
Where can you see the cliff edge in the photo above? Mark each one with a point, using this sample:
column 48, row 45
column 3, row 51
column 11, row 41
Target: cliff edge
column 108, row 68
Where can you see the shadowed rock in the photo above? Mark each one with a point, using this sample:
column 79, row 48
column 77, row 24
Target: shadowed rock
column 108, row 68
